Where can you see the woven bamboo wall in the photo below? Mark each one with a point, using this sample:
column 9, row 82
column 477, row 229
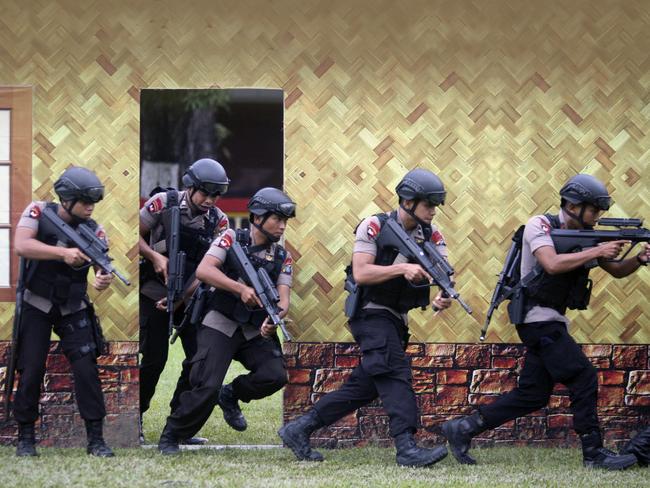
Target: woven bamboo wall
column 504, row 100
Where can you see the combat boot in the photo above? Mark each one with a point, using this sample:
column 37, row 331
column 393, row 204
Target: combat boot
column 96, row 445
column 141, row 438
column 409, row 454
column 231, row 412
column 640, row 447
column 459, row 433
column 168, row 443
column 594, row 455
column 26, row 440
column 296, row 434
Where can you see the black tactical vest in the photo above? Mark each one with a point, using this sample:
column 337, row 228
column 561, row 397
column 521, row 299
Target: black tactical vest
column 228, row 303
column 397, row 293
column 560, row 292
column 55, row 280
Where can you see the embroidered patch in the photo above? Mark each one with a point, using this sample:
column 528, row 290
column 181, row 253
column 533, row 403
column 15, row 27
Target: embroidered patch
column 287, row 266
column 225, row 241
column 438, row 239
column 101, row 234
column 223, row 223
column 155, row 206
column 35, row 212
column 544, row 226
column 373, row 230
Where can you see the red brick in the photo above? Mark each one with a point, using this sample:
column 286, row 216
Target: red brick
column 630, row 356
column 478, row 399
column 597, row 350
column 316, row 355
column 639, row 383
column 507, row 350
column 290, row 361
column 346, row 349
column 600, row 363
column 299, row 376
column 504, row 362
column 609, row 396
column 290, row 348
column 330, row 379
column 108, row 376
column 432, row 362
column 117, row 360
column 415, row 349
column 57, row 363
column 477, row 356
column 452, row 377
column 125, row 348
column 559, row 401
column 492, row 381
column 440, row 349
column 423, row 381
column 560, row 421
column 130, row 375
column 426, row 402
column 451, row 395
column 347, row 421
column 375, row 427
column 296, row 395
column 611, row 377
column 637, row 400
column 346, row 361
column 58, row 382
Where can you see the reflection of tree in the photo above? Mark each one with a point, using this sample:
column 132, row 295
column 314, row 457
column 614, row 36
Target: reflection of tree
column 182, row 125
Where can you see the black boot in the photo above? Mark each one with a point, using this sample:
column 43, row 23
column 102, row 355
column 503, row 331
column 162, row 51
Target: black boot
column 594, row 455
column 409, row 454
column 230, row 406
column 26, row 440
column 141, row 438
column 168, row 443
column 96, row 445
column 640, row 447
column 296, row 434
column 459, row 433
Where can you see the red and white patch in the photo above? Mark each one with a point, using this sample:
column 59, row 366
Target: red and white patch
column 101, row 234
column 373, row 230
column 287, row 266
column 225, row 242
column 35, row 212
column 155, row 206
column 223, row 223
column 438, row 239
column 546, row 228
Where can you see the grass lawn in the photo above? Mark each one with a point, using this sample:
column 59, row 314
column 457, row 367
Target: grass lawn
column 276, row 467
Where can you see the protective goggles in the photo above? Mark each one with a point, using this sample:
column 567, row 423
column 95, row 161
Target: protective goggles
column 91, row 195
column 436, row 198
column 602, row 203
column 287, row 209
column 213, row 189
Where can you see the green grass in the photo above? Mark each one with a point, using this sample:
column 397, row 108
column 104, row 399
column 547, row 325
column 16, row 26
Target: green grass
column 359, row 467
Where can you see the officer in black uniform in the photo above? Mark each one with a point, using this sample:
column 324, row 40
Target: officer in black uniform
column 639, row 446
column 230, row 330
column 379, row 326
column 552, row 356
column 200, row 222
column 55, row 295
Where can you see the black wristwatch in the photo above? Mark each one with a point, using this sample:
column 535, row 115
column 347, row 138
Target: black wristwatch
column 641, row 261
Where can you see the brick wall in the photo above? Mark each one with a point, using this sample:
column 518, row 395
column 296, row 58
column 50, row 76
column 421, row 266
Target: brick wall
column 452, row 379
column 60, row 424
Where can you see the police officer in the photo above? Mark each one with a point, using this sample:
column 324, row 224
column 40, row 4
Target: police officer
column 55, row 296
column 205, row 180
column 380, row 326
column 639, row 446
column 230, row 330
column 552, row 356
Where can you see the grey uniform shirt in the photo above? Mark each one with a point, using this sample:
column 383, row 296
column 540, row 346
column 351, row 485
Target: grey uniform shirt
column 30, row 218
column 219, row 249
column 151, row 219
column 365, row 242
column 537, row 233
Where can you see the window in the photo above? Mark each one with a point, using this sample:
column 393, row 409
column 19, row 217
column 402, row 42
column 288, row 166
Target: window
column 15, row 177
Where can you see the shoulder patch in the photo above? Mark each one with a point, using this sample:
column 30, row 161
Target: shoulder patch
column 438, row 239
column 373, row 230
column 223, row 223
column 287, row 265
column 101, row 234
column 545, row 226
column 155, row 206
column 35, row 212
column 225, row 241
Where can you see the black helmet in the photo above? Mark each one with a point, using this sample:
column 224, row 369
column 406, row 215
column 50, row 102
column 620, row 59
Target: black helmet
column 208, row 176
column 272, row 200
column 586, row 189
column 421, row 184
column 79, row 184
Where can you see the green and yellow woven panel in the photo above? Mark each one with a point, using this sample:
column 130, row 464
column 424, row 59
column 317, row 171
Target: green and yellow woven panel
column 504, row 100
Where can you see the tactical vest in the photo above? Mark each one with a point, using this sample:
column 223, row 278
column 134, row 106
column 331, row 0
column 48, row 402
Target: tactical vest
column 194, row 242
column 396, row 293
column 560, row 292
column 55, row 280
column 230, row 304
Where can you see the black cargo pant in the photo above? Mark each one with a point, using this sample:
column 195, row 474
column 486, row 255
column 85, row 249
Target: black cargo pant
column 552, row 356
column 262, row 357
column 77, row 342
column 154, row 347
column 385, row 371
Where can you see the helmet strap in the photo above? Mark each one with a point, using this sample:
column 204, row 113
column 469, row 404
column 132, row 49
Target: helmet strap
column 74, row 219
column 259, row 227
column 579, row 218
column 411, row 212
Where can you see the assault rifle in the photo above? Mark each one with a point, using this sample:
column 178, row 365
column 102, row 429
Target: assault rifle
column 176, row 264
column 566, row 240
column 393, row 235
column 193, row 311
column 88, row 243
column 261, row 282
column 15, row 337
